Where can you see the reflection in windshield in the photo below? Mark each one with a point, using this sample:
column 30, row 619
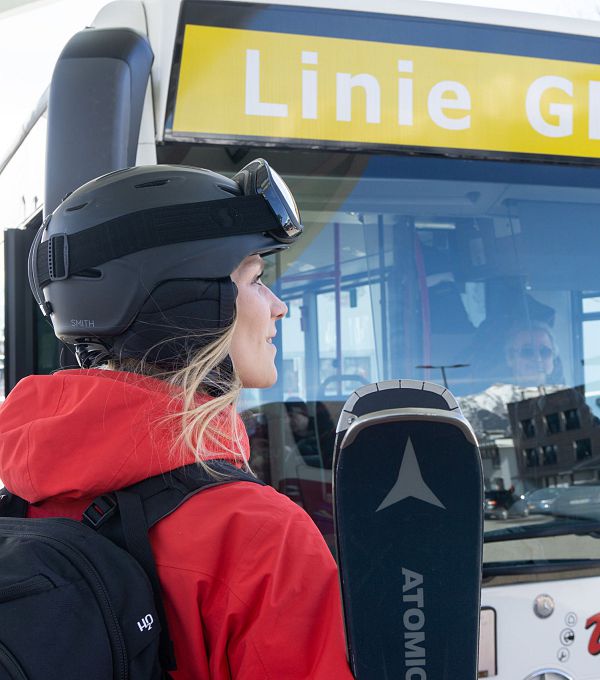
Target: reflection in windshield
column 476, row 274
column 470, row 279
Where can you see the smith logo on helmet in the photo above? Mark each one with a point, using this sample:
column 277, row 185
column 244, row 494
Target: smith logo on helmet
column 82, row 323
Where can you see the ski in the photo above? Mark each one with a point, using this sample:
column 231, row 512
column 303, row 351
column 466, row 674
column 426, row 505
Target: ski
column 408, row 501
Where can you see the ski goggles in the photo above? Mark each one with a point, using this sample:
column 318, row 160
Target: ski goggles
column 266, row 206
column 258, row 178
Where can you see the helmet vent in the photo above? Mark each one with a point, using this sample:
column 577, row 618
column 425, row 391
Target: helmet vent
column 229, row 190
column 77, row 207
column 89, row 274
column 154, row 183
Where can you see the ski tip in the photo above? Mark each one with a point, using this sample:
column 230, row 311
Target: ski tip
column 430, row 395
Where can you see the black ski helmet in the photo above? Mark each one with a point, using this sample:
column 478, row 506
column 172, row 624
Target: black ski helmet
column 137, row 263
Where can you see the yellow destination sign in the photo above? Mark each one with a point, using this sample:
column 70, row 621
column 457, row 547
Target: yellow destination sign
column 240, row 83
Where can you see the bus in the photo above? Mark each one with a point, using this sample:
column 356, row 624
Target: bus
column 446, row 161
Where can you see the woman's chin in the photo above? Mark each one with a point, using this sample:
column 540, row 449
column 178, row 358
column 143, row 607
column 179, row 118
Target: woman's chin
column 259, row 381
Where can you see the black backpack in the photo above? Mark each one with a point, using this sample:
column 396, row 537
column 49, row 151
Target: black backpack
column 81, row 600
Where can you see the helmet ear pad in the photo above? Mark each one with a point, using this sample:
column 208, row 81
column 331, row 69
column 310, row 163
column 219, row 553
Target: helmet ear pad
column 179, row 318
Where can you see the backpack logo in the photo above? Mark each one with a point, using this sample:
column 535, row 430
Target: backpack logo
column 145, row 623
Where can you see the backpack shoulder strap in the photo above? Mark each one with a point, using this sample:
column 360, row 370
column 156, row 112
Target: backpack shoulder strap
column 175, row 488
column 126, row 515
column 163, row 494
column 12, row 505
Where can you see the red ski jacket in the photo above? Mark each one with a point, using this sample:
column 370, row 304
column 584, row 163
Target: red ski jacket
column 250, row 588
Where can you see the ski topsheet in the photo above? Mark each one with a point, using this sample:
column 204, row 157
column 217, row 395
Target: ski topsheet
column 409, row 520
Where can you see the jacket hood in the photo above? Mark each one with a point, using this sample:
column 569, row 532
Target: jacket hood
column 80, row 433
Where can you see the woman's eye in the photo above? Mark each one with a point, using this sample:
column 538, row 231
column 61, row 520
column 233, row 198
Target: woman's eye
column 258, row 280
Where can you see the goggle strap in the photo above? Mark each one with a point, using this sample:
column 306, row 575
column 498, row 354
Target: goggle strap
column 62, row 256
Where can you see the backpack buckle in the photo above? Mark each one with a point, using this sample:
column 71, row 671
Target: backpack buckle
column 99, row 511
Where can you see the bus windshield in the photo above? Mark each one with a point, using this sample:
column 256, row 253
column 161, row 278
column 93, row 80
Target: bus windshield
column 475, row 274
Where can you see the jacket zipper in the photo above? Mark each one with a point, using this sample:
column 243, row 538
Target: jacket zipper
column 8, row 661
column 33, row 585
column 116, row 637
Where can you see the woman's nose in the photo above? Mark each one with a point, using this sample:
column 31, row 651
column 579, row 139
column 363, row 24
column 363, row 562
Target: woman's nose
column 278, row 308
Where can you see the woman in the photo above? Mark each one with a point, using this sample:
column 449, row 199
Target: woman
column 155, row 272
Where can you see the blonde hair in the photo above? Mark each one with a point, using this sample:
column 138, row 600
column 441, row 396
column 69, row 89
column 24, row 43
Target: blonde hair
column 206, row 425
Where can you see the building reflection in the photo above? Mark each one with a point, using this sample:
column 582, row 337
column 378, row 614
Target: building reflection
column 552, row 439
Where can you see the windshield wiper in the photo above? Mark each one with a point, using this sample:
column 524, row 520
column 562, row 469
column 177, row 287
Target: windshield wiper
column 537, row 567
column 556, row 528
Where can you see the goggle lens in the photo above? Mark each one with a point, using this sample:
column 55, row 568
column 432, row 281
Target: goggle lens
column 286, row 193
column 259, row 177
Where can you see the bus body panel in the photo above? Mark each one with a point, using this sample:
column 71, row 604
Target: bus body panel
column 566, row 640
